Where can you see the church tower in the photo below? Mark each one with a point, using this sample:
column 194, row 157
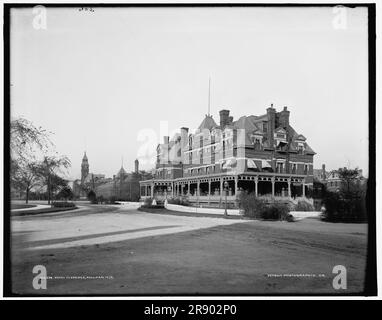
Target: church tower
column 84, row 168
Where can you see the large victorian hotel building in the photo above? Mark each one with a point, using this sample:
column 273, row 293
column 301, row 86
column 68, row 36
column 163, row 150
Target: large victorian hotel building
column 261, row 154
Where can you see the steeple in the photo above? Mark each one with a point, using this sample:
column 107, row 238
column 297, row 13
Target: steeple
column 84, row 168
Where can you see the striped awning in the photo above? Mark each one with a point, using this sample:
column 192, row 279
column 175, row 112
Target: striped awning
column 265, row 164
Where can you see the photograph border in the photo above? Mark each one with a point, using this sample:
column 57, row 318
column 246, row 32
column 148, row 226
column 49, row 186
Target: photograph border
column 370, row 288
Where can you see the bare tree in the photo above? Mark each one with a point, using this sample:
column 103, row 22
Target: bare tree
column 25, row 177
column 26, row 138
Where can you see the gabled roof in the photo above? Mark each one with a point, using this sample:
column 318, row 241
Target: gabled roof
column 208, row 123
column 121, row 172
column 300, row 137
column 280, row 129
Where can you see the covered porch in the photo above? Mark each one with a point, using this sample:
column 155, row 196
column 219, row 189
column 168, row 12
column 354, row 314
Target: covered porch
column 158, row 189
column 221, row 188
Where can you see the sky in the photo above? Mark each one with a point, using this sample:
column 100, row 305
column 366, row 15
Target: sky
column 109, row 81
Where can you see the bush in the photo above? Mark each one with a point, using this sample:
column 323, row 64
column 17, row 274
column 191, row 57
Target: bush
column 111, row 200
column 344, row 209
column 63, row 204
column 276, row 211
column 92, row 197
column 303, row 206
column 254, row 207
column 148, row 204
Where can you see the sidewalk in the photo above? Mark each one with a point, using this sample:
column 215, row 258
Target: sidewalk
column 37, row 207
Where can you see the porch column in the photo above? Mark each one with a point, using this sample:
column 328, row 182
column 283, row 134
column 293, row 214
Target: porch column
column 236, row 179
column 303, row 188
column 289, row 192
column 152, row 190
column 209, row 187
column 256, row 185
column 198, row 188
column 221, row 188
column 273, row 186
column 188, row 190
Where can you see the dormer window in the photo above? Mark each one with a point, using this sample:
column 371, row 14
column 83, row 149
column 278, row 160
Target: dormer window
column 280, row 135
column 300, row 147
column 280, row 138
column 257, row 141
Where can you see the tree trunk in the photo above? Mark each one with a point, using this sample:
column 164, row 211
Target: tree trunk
column 27, row 195
column 48, row 189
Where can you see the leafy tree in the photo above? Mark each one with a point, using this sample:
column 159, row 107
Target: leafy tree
column 349, row 203
column 65, row 193
column 92, row 197
column 58, row 183
column 349, row 181
column 50, row 168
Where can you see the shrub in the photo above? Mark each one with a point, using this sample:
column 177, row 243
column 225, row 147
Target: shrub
column 303, row 206
column 63, row 204
column 252, row 206
column 148, row 204
column 259, row 209
column 276, row 211
column 92, row 197
column 111, row 200
column 344, row 209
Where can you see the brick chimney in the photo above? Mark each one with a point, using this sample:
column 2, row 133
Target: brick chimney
column 271, row 115
column 184, row 144
column 284, row 118
column 166, row 139
column 136, row 163
column 323, row 172
column 224, row 118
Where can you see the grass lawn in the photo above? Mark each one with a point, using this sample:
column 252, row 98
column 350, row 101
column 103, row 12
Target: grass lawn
column 252, row 257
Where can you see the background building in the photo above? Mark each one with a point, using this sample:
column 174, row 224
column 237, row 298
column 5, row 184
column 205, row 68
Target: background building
column 261, row 154
column 123, row 186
